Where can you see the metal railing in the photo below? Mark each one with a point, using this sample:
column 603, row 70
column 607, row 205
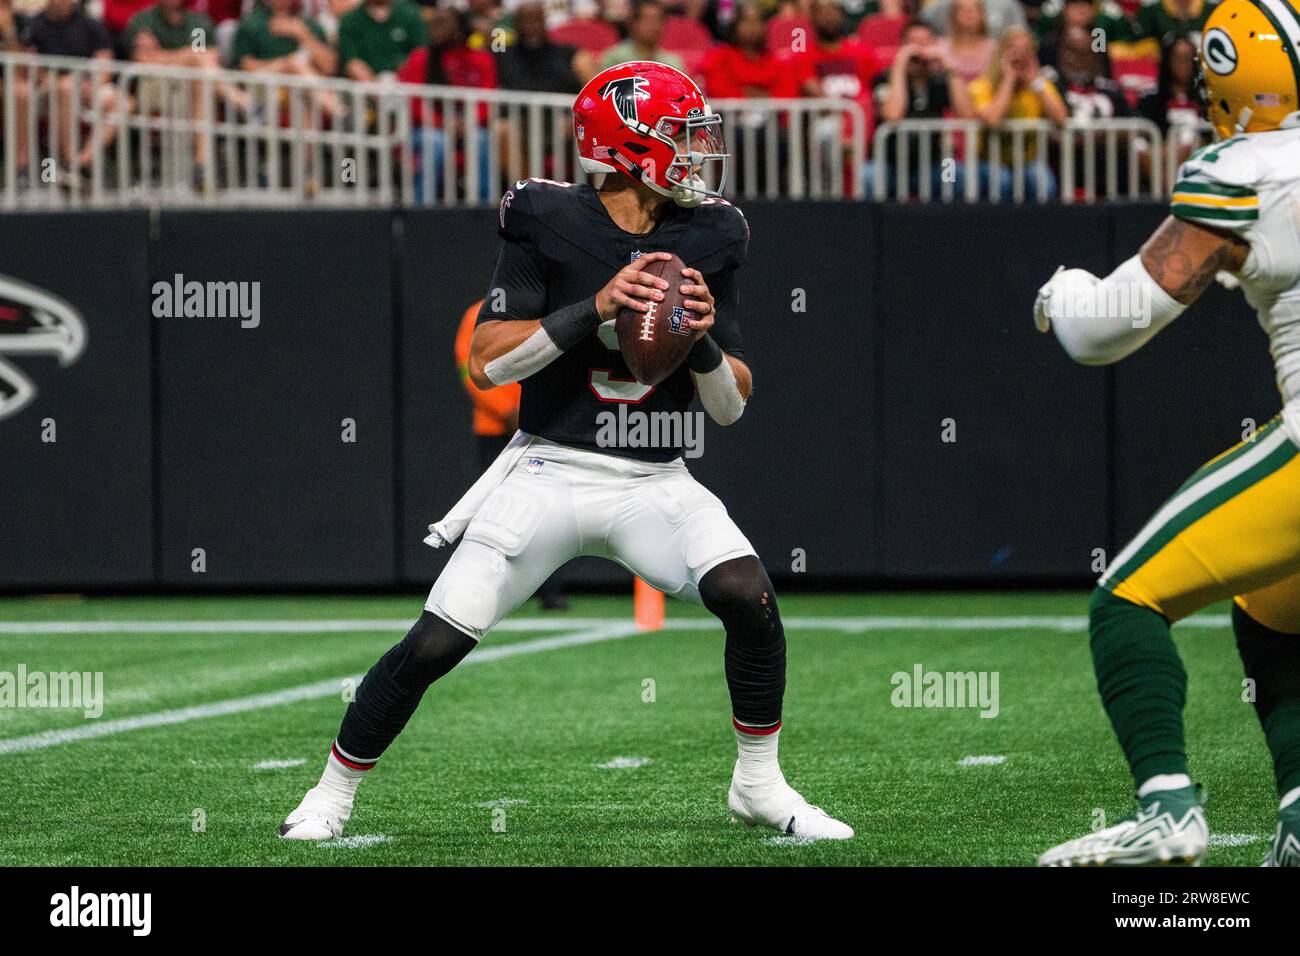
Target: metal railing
column 77, row 133
column 964, row 160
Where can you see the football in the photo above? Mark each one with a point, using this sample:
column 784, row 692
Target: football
column 655, row 342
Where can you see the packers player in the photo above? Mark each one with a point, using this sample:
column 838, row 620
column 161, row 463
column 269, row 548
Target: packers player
column 1233, row 529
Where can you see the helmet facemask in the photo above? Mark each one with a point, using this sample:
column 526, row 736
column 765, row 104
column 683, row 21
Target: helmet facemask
column 699, row 165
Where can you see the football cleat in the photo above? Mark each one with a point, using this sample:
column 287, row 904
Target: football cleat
column 780, row 807
column 1285, row 850
column 317, row 818
column 1168, row 829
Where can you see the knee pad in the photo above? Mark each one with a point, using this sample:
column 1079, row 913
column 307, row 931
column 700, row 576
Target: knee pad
column 740, row 593
column 430, row 649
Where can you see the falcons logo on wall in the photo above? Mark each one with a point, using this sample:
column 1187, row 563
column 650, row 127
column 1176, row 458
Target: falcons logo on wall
column 33, row 322
column 624, row 93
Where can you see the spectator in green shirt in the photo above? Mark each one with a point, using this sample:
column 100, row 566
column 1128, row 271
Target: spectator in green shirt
column 1168, row 20
column 169, row 35
column 166, row 34
column 645, row 31
column 377, row 37
column 275, row 38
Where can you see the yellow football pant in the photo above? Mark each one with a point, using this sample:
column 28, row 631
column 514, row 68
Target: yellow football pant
column 1232, row 530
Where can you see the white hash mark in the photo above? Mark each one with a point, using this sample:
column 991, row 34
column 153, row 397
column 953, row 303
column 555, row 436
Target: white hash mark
column 981, row 760
column 1233, row 839
column 280, row 764
column 788, row 839
column 624, row 763
column 354, row 842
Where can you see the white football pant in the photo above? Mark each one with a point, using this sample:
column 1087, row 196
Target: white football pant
column 559, row 503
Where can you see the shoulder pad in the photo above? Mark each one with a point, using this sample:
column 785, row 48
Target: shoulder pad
column 1233, row 162
column 526, row 201
column 726, row 216
column 1217, row 186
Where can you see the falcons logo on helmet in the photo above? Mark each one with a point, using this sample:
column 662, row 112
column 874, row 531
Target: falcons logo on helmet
column 624, row 93
column 33, row 322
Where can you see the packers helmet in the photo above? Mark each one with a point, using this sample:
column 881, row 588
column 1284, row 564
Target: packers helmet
column 1250, row 66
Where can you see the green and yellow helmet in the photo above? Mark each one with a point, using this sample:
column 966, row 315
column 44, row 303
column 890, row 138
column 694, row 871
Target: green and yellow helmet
column 1250, row 66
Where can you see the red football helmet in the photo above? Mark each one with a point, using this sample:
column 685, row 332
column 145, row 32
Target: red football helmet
column 651, row 121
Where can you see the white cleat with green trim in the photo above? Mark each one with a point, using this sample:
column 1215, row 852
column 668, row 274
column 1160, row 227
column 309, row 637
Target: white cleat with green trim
column 1168, row 829
column 1285, row 849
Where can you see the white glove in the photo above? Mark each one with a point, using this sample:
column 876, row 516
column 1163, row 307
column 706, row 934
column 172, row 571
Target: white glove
column 1227, row 280
column 1061, row 288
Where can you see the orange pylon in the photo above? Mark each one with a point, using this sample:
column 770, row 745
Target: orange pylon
column 647, row 607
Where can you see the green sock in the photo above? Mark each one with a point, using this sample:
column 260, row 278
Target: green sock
column 1142, row 682
column 1272, row 661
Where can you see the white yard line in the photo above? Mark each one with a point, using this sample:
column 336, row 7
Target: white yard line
column 315, row 691
column 851, row 625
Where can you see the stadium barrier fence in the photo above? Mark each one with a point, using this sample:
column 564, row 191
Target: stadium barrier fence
column 177, row 136
column 952, row 160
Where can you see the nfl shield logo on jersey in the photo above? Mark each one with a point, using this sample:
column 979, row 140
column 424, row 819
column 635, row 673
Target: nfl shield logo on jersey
column 533, row 465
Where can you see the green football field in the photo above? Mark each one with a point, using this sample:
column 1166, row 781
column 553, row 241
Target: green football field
column 571, row 739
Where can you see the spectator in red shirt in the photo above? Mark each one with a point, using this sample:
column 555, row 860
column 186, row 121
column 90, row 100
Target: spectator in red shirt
column 117, row 14
column 743, row 67
column 835, row 65
column 447, row 60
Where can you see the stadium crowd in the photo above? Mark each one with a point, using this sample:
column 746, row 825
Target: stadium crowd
column 987, row 60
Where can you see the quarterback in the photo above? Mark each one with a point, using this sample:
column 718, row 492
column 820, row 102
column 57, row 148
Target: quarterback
column 1233, row 529
column 569, row 260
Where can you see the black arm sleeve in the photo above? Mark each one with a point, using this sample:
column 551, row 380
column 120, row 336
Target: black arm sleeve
column 706, row 354
column 518, row 286
column 726, row 305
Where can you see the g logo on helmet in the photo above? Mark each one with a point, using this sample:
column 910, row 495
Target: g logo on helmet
column 1220, row 53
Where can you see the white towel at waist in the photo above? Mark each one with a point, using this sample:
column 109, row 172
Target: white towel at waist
column 454, row 523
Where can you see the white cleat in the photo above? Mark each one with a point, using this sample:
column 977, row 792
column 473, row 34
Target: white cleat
column 317, row 818
column 1169, row 830
column 780, row 807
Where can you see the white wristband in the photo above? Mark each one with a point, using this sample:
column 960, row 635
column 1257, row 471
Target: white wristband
column 719, row 394
column 529, row 356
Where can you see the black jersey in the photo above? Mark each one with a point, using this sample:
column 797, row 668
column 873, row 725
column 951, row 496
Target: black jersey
column 561, row 247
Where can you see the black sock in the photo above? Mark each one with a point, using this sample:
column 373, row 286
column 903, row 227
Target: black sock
column 392, row 688
column 1272, row 661
column 740, row 593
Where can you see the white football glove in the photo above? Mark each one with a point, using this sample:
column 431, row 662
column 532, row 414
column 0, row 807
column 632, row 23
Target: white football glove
column 1227, row 280
column 1060, row 288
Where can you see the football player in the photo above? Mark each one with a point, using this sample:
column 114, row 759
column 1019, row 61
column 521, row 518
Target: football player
column 568, row 262
column 1233, row 529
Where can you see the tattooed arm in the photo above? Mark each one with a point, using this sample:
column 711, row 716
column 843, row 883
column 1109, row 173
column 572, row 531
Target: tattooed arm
column 1099, row 321
column 1183, row 258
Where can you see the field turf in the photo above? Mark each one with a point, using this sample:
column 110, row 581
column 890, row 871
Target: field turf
column 574, row 740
